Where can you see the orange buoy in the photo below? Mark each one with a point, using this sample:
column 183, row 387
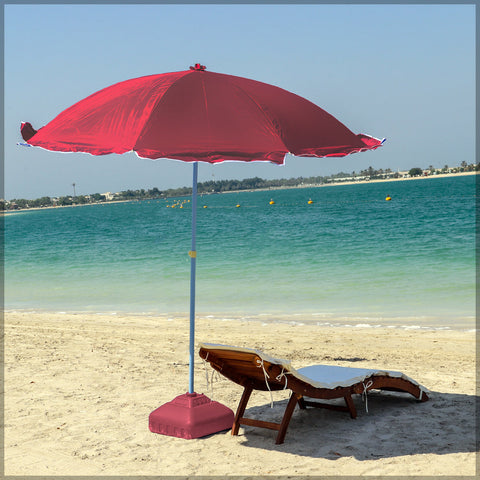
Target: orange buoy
column 310, row 202
column 272, row 202
column 388, row 198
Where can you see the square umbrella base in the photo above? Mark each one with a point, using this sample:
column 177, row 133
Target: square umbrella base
column 190, row 415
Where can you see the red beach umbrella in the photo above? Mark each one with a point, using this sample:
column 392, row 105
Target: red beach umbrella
column 197, row 116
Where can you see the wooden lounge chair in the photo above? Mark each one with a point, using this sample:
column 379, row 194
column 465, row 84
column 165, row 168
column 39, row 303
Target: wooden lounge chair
column 255, row 370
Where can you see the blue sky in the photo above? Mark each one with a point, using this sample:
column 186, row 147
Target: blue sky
column 404, row 72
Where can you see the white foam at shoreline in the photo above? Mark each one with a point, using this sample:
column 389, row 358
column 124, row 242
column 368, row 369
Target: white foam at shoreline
column 402, row 323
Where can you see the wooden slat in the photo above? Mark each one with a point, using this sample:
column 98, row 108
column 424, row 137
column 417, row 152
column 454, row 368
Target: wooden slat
column 328, row 406
column 259, row 423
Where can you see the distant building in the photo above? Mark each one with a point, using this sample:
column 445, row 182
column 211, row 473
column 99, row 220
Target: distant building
column 108, row 196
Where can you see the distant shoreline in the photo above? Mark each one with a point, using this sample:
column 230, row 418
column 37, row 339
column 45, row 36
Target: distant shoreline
column 357, row 182
column 56, row 207
column 329, row 184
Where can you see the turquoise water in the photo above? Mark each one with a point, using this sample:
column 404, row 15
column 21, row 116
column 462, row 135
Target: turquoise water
column 349, row 255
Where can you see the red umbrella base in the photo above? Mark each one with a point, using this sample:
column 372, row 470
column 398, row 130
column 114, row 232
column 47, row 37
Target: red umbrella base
column 190, row 415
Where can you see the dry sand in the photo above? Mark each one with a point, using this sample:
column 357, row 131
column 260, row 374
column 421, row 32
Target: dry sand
column 79, row 389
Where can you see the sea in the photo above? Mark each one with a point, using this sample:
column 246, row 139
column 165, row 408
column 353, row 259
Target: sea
column 330, row 255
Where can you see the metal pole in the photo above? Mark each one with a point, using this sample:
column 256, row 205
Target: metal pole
column 193, row 261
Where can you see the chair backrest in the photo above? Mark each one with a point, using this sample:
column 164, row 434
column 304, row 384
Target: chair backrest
column 246, row 366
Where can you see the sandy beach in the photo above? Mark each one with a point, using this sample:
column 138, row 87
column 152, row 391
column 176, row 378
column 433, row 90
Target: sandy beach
column 79, row 389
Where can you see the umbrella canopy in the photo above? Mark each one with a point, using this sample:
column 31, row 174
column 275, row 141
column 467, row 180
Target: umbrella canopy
column 196, row 115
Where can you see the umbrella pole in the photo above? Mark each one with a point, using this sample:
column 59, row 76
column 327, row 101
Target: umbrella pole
column 191, row 415
column 193, row 261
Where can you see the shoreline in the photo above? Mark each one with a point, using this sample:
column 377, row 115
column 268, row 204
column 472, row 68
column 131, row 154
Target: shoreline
column 56, row 207
column 359, row 182
column 329, row 184
column 320, row 320
column 88, row 383
column 382, row 180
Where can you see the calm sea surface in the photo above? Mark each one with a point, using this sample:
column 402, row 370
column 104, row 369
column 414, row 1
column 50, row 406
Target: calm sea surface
column 350, row 255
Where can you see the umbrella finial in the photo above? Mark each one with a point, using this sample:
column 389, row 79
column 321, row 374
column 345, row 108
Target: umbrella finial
column 199, row 67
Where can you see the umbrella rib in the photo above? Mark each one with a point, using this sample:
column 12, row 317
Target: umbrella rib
column 273, row 123
column 206, row 109
column 158, row 101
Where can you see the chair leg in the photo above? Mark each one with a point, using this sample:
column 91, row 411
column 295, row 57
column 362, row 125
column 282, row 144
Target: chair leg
column 301, row 402
column 286, row 418
column 241, row 409
column 351, row 406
